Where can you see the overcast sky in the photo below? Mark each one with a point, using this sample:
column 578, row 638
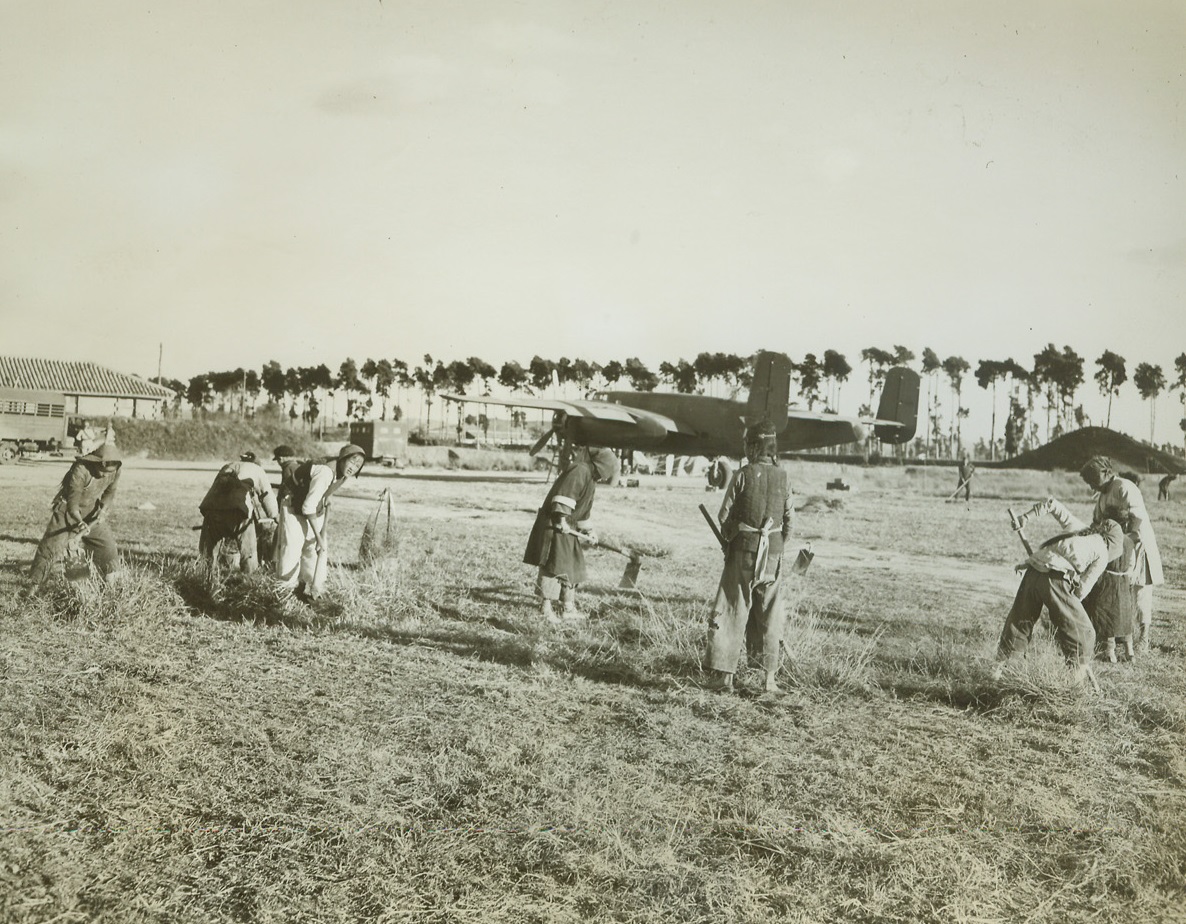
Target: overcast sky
column 305, row 180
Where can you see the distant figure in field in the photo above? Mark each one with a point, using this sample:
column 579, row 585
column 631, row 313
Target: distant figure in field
column 756, row 516
column 1058, row 575
column 966, row 470
column 85, row 439
column 239, row 500
column 307, row 490
column 563, row 520
column 79, row 514
column 1163, row 487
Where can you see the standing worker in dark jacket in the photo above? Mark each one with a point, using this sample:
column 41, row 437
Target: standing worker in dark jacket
column 560, row 525
column 755, row 517
column 79, row 514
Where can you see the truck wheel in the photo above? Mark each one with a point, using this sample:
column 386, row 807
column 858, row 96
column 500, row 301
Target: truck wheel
column 9, row 452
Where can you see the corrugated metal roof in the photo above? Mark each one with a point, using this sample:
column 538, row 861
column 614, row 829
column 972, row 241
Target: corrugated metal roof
column 76, row 378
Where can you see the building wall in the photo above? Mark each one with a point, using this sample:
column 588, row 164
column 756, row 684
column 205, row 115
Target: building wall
column 96, row 406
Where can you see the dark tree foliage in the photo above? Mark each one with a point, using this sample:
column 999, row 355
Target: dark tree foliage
column 681, row 376
column 641, row 378
column 273, row 380
column 810, row 378
column 612, row 371
column 1110, row 375
column 540, row 371
column 513, row 376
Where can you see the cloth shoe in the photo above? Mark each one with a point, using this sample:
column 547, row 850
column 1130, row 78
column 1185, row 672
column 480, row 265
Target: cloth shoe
column 572, row 614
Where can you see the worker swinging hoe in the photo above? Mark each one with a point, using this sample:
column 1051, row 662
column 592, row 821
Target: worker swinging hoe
column 699, row 425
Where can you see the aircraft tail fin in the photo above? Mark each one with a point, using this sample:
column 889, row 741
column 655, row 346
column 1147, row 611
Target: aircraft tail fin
column 897, row 414
column 770, row 394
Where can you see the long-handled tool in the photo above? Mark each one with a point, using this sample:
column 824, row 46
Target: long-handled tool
column 320, row 569
column 633, row 567
column 802, row 560
column 1029, row 550
column 712, row 524
column 963, row 484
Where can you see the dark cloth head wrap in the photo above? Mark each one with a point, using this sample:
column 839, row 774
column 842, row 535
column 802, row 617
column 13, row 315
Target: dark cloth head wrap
column 604, row 462
column 761, row 441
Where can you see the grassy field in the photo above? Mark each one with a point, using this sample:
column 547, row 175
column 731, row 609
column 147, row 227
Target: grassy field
column 422, row 747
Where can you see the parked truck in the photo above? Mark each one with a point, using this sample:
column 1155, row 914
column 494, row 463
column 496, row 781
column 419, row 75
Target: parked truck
column 382, row 440
column 31, row 420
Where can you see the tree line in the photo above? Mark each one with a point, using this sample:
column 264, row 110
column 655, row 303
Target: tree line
column 1047, row 390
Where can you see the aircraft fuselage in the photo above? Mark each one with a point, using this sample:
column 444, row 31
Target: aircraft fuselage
column 707, row 426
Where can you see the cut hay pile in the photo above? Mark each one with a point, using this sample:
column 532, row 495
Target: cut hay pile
column 819, row 503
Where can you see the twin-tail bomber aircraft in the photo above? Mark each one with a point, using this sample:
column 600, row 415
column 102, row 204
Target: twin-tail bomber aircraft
column 699, row 425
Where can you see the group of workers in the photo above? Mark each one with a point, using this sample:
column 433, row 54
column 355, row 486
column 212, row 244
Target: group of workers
column 755, row 523
column 286, row 529
column 241, row 515
column 1096, row 580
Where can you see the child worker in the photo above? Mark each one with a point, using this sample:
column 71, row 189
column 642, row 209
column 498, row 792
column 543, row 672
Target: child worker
column 561, row 523
column 1058, row 575
column 756, row 516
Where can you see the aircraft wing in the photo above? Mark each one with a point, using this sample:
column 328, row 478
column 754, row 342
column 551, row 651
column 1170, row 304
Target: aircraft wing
column 599, row 410
column 652, row 422
column 795, row 414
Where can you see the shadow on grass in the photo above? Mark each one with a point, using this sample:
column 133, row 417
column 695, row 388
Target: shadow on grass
column 834, row 618
column 591, row 650
column 1041, row 686
column 638, row 593
column 20, row 540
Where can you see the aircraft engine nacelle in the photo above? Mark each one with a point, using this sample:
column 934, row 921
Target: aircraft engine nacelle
column 643, row 434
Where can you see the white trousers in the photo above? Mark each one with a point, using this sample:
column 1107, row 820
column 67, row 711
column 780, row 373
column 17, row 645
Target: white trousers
column 297, row 560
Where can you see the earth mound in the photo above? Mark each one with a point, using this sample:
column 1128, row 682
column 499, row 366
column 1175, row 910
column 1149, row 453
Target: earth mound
column 1070, row 451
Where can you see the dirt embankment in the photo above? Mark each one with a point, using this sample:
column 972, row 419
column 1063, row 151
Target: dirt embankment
column 1070, row 451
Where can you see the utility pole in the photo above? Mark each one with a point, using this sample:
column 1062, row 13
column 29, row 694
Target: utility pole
column 159, row 355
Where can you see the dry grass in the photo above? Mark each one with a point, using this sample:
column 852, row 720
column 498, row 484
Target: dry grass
column 420, row 746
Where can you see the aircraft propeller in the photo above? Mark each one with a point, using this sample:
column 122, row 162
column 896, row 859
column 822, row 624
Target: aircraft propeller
column 559, row 418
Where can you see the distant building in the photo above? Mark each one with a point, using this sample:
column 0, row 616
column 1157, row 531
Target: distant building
column 91, row 390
